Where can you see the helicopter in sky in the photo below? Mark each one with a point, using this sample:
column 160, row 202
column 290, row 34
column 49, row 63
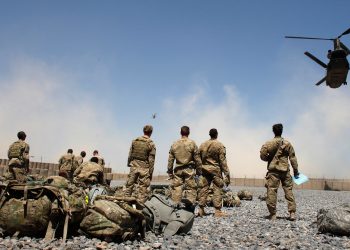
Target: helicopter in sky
column 338, row 65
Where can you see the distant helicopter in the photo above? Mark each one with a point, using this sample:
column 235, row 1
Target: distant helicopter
column 338, row 66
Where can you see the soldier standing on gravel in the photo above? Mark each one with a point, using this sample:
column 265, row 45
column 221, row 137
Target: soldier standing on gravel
column 67, row 165
column 18, row 155
column 277, row 152
column 188, row 164
column 141, row 162
column 214, row 165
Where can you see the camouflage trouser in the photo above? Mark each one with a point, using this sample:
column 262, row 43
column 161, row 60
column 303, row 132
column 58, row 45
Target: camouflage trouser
column 17, row 173
column 214, row 177
column 273, row 180
column 184, row 182
column 140, row 176
column 17, row 170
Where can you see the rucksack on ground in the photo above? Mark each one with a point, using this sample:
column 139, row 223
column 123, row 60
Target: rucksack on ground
column 335, row 220
column 114, row 219
column 165, row 216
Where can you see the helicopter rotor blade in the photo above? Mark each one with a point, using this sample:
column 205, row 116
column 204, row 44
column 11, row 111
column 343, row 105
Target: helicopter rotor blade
column 311, row 38
column 342, row 45
column 321, row 81
column 314, row 58
column 345, row 33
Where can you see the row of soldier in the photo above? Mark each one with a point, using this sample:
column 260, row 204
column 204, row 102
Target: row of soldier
column 195, row 170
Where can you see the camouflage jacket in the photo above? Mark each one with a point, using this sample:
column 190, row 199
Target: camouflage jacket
column 185, row 152
column 79, row 159
column 67, row 162
column 213, row 153
column 277, row 152
column 24, row 148
column 142, row 153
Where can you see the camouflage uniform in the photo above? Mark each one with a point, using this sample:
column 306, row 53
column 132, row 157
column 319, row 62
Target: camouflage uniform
column 89, row 173
column 18, row 155
column 277, row 152
column 101, row 161
column 214, row 164
column 79, row 160
column 141, row 162
column 67, row 165
column 185, row 152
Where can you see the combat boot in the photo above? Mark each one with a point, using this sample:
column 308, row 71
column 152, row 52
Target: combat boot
column 292, row 216
column 219, row 213
column 201, row 212
column 271, row 217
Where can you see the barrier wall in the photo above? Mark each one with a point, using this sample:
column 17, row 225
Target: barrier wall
column 48, row 169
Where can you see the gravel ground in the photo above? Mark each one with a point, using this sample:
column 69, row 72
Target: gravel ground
column 244, row 228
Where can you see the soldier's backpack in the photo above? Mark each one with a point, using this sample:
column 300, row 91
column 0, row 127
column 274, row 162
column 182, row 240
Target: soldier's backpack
column 69, row 163
column 335, row 221
column 245, row 195
column 113, row 218
column 16, row 150
column 165, row 216
column 27, row 210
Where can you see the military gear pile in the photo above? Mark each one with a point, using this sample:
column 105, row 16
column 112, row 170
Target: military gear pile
column 335, row 221
column 112, row 218
column 245, row 195
column 165, row 216
column 229, row 199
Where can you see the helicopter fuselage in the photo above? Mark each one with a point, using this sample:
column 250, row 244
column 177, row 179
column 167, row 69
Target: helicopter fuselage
column 337, row 72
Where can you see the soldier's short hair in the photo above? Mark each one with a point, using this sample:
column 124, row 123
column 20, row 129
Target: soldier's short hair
column 213, row 133
column 70, row 151
column 21, row 135
column 277, row 129
column 94, row 159
column 148, row 129
column 83, row 153
column 185, row 131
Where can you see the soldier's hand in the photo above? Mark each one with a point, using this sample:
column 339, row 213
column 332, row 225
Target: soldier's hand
column 171, row 176
column 296, row 174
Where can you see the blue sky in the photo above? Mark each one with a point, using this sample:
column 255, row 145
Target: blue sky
column 89, row 74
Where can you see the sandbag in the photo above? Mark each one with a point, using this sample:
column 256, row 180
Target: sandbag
column 111, row 218
column 335, row 220
column 165, row 216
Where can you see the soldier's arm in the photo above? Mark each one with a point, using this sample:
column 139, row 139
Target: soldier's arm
column 223, row 162
column 77, row 171
column 264, row 153
column 129, row 157
column 60, row 161
column 197, row 160
column 293, row 159
column 151, row 159
column 171, row 160
column 26, row 156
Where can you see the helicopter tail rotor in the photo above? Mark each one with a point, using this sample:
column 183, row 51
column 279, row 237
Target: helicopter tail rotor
column 321, row 81
column 314, row 58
